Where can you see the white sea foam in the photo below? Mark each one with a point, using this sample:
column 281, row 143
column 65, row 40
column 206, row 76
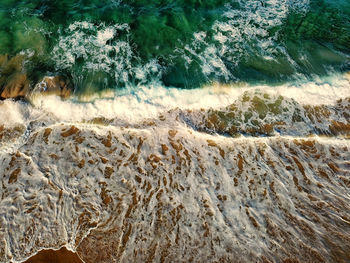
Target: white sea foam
column 11, row 112
column 135, row 104
column 100, row 48
column 238, row 32
column 132, row 106
column 97, row 48
column 73, row 179
column 235, row 188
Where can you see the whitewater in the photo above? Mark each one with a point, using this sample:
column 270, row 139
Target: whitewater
column 145, row 176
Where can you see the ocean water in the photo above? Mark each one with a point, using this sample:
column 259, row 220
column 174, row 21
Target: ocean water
column 197, row 131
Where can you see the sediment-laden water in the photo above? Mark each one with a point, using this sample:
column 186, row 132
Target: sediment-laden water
column 175, row 131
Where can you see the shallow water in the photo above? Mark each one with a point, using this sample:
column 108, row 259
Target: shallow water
column 203, row 132
column 229, row 174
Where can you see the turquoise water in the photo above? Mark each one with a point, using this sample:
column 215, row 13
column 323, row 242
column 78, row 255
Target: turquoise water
column 104, row 44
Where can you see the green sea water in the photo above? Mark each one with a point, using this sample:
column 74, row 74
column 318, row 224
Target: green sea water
column 186, row 44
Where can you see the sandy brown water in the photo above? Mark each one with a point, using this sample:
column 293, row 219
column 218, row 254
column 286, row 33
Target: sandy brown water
column 55, row 256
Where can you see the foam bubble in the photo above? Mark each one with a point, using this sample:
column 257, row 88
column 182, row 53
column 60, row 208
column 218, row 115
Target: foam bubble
column 101, row 48
column 135, row 104
column 11, row 113
column 138, row 103
column 87, row 189
column 238, row 33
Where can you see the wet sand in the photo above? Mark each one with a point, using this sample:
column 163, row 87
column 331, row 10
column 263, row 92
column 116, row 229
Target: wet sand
column 55, row 256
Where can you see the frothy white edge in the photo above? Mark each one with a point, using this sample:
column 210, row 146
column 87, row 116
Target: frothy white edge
column 138, row 103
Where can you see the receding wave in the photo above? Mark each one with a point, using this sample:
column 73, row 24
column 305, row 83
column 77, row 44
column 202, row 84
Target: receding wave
column 126, row 194
column 225, row 176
